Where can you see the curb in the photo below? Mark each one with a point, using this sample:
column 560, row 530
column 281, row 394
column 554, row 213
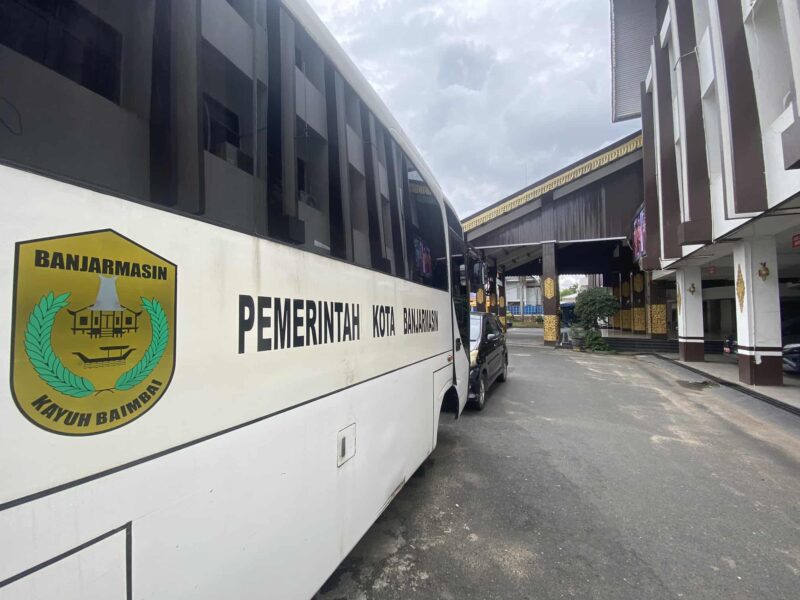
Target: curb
column 734, row 386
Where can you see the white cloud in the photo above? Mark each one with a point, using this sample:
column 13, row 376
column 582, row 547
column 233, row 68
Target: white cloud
column 486, row 89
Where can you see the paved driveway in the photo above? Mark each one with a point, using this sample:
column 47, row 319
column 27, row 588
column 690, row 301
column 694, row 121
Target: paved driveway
column 592, row 476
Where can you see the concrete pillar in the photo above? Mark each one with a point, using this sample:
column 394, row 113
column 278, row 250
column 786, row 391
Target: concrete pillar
column 550, row 296
column 690, row 314
column 625, row 296
column 638, row 317
column 656, row 298
column 758, row 315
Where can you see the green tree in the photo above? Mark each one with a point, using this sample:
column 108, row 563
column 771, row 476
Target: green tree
column 591, row 306
column 569, row 290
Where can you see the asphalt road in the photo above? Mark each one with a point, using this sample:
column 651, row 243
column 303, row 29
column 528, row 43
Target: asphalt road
column 592, row 476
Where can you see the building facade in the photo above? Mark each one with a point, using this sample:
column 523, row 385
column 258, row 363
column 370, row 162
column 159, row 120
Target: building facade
column 717, row 96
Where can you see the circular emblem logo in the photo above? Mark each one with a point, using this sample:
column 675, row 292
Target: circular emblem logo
column 94, row 331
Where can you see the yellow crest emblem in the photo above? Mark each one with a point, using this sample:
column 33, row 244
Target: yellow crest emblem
column 93, row 346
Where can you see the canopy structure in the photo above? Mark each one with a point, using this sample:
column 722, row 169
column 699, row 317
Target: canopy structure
column 578, row 220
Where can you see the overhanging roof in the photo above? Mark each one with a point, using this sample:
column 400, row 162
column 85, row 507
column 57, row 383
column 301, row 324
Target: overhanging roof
column 563, row 177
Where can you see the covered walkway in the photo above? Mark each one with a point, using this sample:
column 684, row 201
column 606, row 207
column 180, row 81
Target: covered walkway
column 577, row 221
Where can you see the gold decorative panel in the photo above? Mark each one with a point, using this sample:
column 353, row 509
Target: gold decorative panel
column 638, row 283
column 480, row 296
column 626, row 289
column 549, row 288
column 639, row 320
column 502, row 301
column 658, row 319
column 552, row 328
column 740, row 288
column 625, row 318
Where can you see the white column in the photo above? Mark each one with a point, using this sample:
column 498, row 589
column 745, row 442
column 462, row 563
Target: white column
column 690, row 314
column 758, row 311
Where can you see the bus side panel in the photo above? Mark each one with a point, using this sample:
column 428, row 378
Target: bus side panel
column 230, row 482
column 214, row 386
column 259, row 512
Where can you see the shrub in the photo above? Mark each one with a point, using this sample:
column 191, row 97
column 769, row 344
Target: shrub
column 594, row 341
column 592, row 305
column 539, row 319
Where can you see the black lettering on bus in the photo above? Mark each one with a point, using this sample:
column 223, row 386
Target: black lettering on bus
column 328, row 322
column 57, row 261
column 60, row 412
column 281, row 332
column 356, row 322
column 50, row 410
column 41, row 258
column 337, row 308
column 298, row 341
column 40, row 402
column 101, row 418
column 246, row 318
column 264, row 321
column 348, row 329
column 311, row 323
column 122, row 267
column 73, row 262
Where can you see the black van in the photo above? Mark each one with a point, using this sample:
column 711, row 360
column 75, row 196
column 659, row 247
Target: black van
column 488, row 356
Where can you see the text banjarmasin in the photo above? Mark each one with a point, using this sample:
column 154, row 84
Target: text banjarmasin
column 420, row 320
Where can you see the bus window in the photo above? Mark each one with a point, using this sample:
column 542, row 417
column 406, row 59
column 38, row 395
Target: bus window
column 391, row 154
column 143, row 100
column 311, row 143
column 425, row 241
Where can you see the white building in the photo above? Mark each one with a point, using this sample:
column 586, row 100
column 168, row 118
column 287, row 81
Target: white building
column 715, row 83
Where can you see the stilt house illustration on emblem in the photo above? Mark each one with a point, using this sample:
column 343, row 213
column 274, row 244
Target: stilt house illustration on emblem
column 106, row 318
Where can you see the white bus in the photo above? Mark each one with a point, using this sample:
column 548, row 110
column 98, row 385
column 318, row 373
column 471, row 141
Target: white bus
column 230, row 301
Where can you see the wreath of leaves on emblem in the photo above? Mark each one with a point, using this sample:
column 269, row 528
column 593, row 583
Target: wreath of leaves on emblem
column 152, row 356
column 39, row 347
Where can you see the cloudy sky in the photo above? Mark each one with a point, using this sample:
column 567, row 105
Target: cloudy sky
column 487, row 89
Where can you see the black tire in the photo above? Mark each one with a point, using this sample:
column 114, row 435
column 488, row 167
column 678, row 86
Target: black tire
column 504, row 373
column 480, row 397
